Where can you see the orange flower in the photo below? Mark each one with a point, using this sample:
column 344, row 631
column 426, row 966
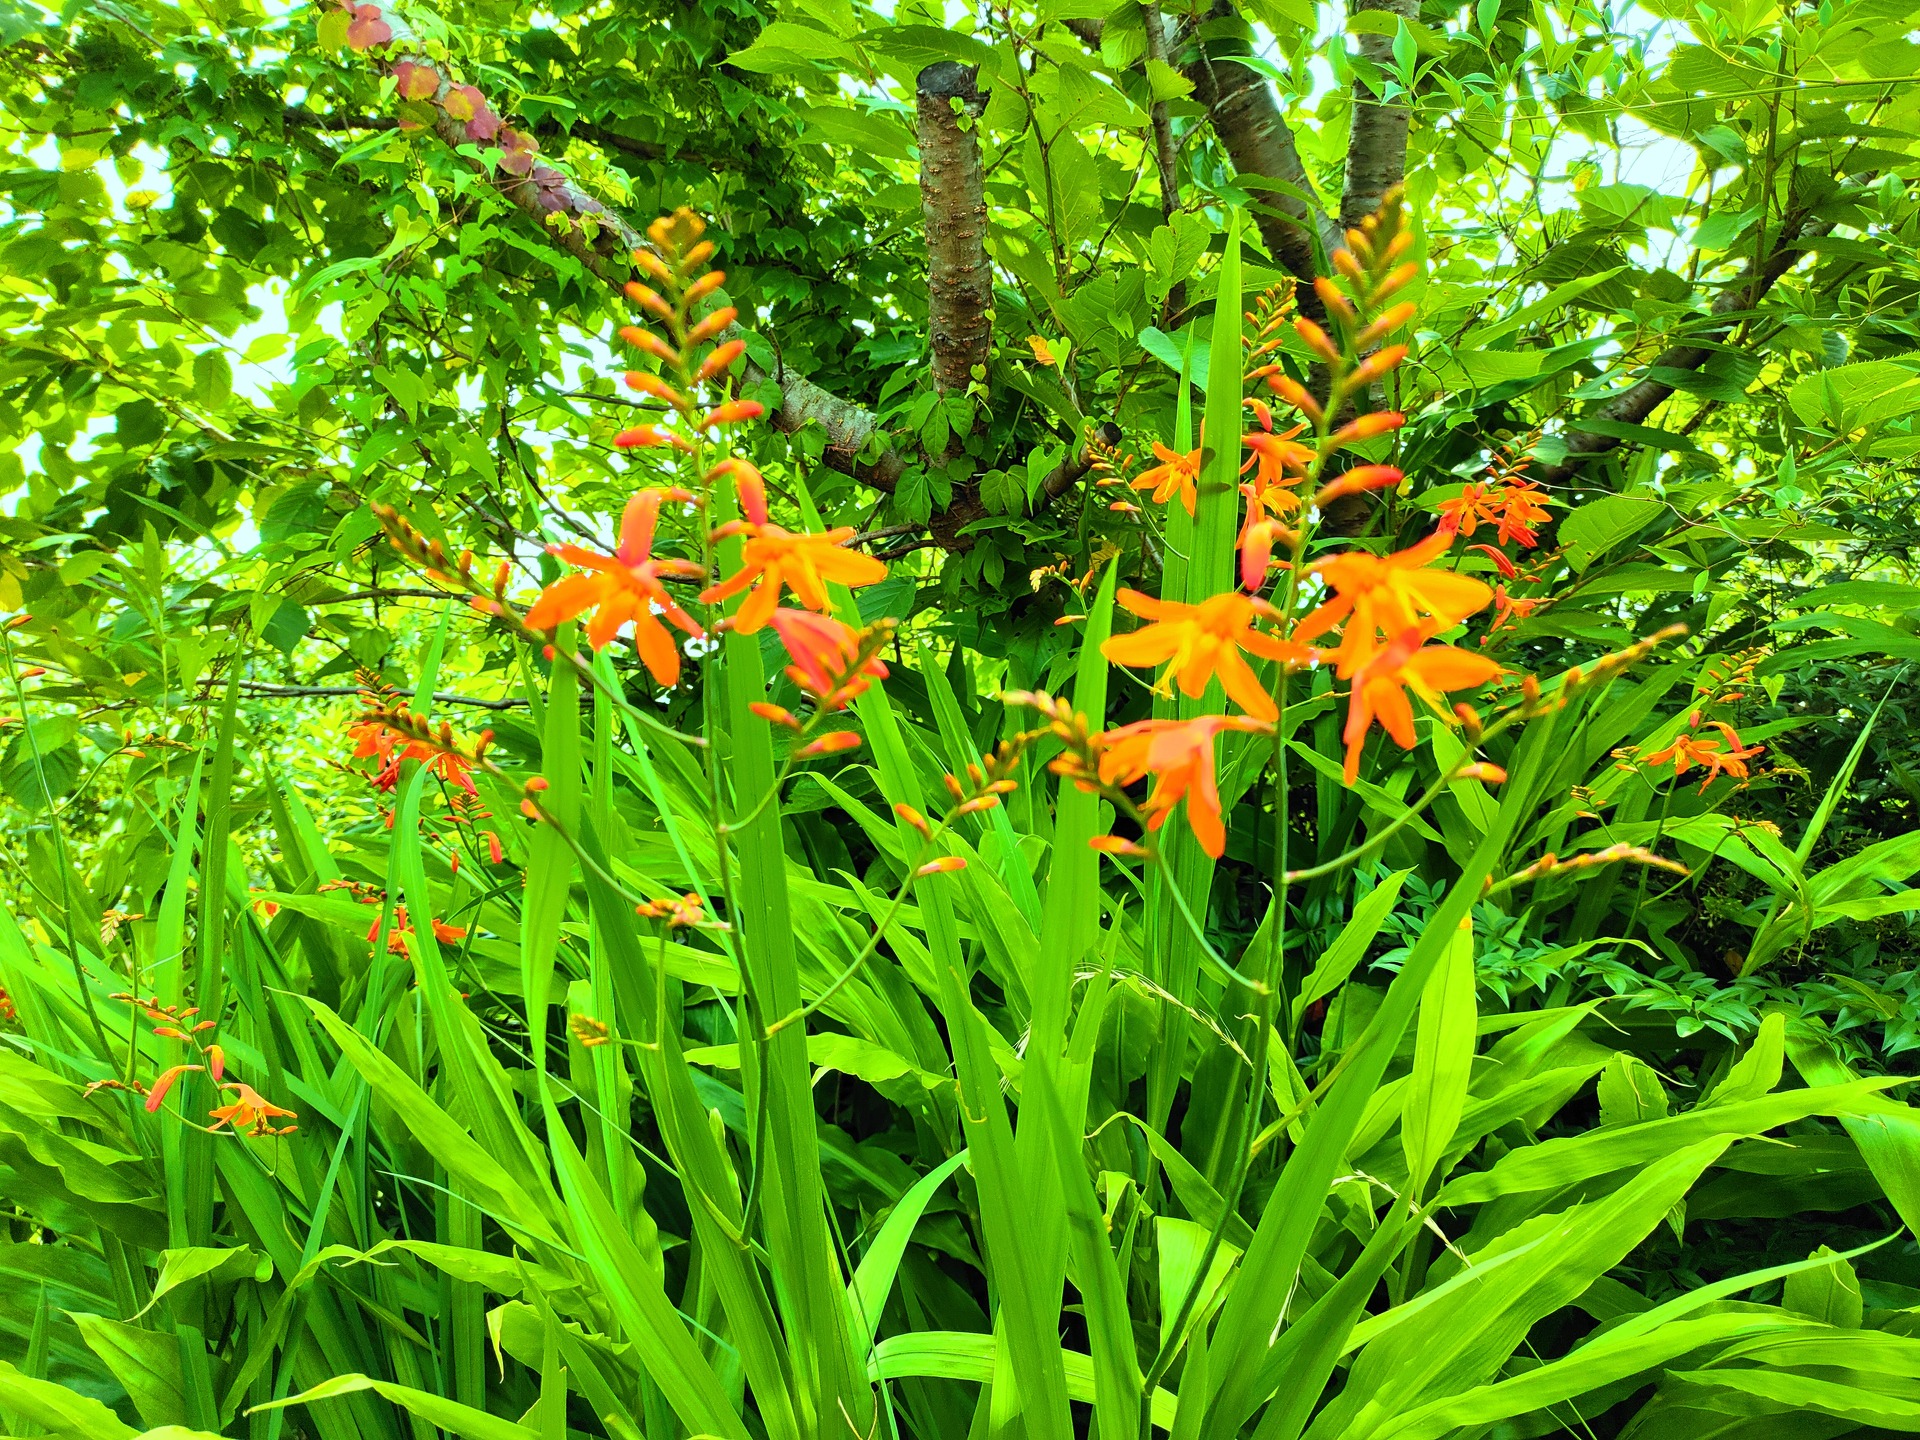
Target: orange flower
column 1202, row 641
column 375, row 739
column 824, row 651
column 775, row 557
column 1520, row 511
column 1690, row 750
column 1380, row 596
column 1380, row 689
column 1179, row 754
column 1465, row 511
column 621, row 587
column 1280, row 463
column 1175, row 475
column 250, row 1113
column 1507, row 608
column 1277, row 460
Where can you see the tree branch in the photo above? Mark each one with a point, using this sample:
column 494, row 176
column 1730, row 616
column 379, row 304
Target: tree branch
column 1633, row 405
column 599, row 238
column 1377, row 143
column 953, row 200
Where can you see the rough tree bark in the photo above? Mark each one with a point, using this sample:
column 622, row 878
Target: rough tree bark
column 1377, row 143
column 953, row 202
column 1633, row 405
column 1257, row 139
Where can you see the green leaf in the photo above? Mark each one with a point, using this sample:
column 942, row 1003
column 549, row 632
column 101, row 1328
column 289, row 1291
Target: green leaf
column 1442, row 1060
column 1853, row 396
column 1828, row 1293
column 456, row 1419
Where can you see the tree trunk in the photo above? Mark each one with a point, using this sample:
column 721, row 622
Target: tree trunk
column 1377, row 143
column 953, row 199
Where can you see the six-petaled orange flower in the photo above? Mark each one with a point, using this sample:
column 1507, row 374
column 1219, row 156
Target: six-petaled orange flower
column 824, row 651
column 1176, row 474
column 1179, row 755
column 1378, row 597
column 1381, row 684
column 1689, row 750
column 777, row 557
column 1202, row 641
column 1520, row 511
column 1466, row 512
column 250, row 1113
column 375, row 739
column 624, row 586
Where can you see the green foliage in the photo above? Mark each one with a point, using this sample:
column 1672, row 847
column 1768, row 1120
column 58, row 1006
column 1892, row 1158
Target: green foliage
column 1514, row 1083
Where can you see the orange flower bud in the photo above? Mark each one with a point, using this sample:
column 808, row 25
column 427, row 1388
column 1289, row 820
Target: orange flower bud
column 942, row 866
column 649, row 343
column 535, row 784
column 647, row 383
column 1296, row 395
column 732, row 413
column 1337, row 306
column 1365, row 427
column 978, row 803
column 722, row 359
column 1344, row 262
column 648, row 299
column 914, row 818
column 1386, row 323
column 774, row 714
column 653, row 265
column 831, row 743
column 1116, row 845
column 1317, row 340
column 711, row 326
column 1396, row 280
column 158, row 1094
column 1481, row 770
column 1256, row 554
column 1357, row 480
column 641, row 437
column 1260, row 413
column 33, row 672
column 693, row 260
column 1377, row 364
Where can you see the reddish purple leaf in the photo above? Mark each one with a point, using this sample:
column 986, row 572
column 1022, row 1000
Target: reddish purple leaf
column 368, row 29
column 416, row 82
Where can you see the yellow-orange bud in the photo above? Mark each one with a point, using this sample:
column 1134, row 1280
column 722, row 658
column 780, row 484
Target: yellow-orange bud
column 1296, row 395
column 649, row 343
column 942, row 866
column 1380, row 363
column 732, row 413
column 1336, row 303
column 647, row 383
column 648, row 300
column 711, row 326
column 1357, row 480
column 1317, row 340
column 1386, row 323
column 831, row 743
column 1365, row 427
column 721, row 360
